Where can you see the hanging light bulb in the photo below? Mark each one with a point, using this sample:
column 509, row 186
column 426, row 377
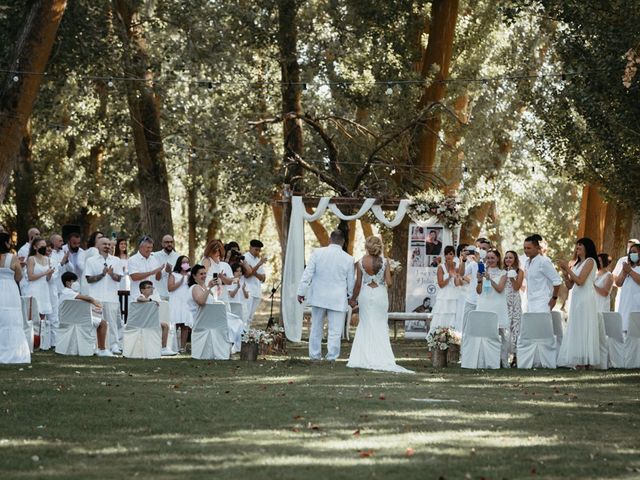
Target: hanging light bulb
column 16, row 78
column 110, row 82
column 389, row 90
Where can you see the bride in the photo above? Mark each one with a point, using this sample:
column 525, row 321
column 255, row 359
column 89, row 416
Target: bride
column 371, row 346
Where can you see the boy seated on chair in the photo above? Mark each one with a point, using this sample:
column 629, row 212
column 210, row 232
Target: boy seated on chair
column 146, row 290
column 70, row 292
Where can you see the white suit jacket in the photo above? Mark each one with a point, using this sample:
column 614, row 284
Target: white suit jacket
column 328, row 279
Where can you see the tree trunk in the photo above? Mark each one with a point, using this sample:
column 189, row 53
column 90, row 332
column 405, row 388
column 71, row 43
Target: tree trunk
column 367, row 229
column 192, row 217
column 592, row 215
column 213, row 227
column 352, row 237
column 475, row 220
column 155, row 202
column 23, row 181
column 617, row 230
column 31, row 53
column 398, row 290
column 437, row 56
column 451, row 160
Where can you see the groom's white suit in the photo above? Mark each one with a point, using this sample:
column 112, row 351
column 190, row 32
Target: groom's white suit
column 327, row 283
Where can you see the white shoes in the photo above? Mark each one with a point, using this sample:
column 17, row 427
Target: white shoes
column 166, row 352
column 116, row 350
column 104, row 353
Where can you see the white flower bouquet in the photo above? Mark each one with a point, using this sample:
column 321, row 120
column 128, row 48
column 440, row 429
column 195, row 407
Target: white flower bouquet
column 394, row 265
column 434, row 204
column 442, row 338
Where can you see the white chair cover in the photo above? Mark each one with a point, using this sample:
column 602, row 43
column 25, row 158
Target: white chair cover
column 209, row 337
column 76, row 333
column 537, row 341
column 481, row 342
column 29, row 312
column 558, row 329
column 615, row 338
column 142, row 333
column 632, row 343
column 237, row 309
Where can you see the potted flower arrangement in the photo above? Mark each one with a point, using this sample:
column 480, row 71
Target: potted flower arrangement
column 275, row 341
column 251, row 341
column 439, row 341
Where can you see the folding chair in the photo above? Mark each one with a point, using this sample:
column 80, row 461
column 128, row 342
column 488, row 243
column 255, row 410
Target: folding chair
column 29, row 308
column 537, row 341
column 142, row 333
column 481, row 343
column 615, row 338
column 632, row 343
column 76, row 333
column 210, row 337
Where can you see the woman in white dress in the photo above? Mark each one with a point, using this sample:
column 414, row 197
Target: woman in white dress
column 603, row 284
column 629, row 284
column 515, row 277
column 217, row 268
column 40, row 274
column 14, row 347
column 492, row 297
column 447, row 292
column 371, row 345
column 177, row 285
column 237, row 292
column 581, row 343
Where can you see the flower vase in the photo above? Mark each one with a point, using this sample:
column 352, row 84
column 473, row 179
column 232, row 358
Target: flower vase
column 249, row 351
column 453, row 354
column 439, row 358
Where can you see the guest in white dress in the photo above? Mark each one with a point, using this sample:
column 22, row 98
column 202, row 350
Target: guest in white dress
column 448, row 295
column 603, row 283
column 515, row 277
column 238, row 294
column 492, row 297
column 122, row 254
column 14, row 347
column 581, row 343
column 371, row 346
column 217, row 268
column 178, row 287
column 629, row 283
column 40, row 274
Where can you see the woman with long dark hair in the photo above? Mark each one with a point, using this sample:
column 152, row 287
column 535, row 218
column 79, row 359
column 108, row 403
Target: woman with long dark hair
column 515, row 277
column 603, row 283
column 177, row 285
column 581, row 344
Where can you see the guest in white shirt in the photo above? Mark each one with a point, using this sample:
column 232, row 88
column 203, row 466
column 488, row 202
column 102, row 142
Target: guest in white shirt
column 543, row 280
column 254, row 277
column 143, row 266
column 146, row 295
column 103, row 284
column 617, row 270
column 70, row 291
column 168, row 258
column 629, row 284
column 470, row 273
column 76, row 255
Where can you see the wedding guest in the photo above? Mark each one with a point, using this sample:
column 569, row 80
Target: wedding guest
column 617, row 270
column 492, row 297
column 90, row 252
column 143, row 266
column 14, row 347
column 147, row 295
column 603, row 283
column 238, row 292
column 515, row 276
column 217, row 269
column 23, row 253
column 443, row 313
column 168, row 257
column 75, row 255
column 254, row 277
column 543, row 281
column 178, row 288
column 581, row 343
column 71, row 291
column 39, row 273
column 469, row 268
column 52, row 318
column 629, row 284
column 121, row 250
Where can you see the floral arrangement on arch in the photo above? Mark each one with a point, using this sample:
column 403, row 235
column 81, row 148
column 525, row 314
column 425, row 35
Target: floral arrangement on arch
column 433, row 204
column 394, row 265
column 442, row 338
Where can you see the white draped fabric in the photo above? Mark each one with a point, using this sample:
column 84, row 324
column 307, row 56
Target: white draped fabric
column 292, row 311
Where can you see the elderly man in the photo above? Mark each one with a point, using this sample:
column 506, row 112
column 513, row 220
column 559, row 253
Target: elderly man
column 103, row 283
column 144, row 266
column 255, row 277
column 168, row 258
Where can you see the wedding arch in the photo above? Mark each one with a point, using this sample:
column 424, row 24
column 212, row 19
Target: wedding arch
column 293, row 312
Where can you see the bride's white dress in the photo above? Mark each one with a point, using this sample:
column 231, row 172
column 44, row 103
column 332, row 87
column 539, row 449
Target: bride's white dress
column 371, row 347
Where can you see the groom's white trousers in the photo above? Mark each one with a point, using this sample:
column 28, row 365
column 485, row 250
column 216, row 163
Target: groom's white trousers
column 336, row 321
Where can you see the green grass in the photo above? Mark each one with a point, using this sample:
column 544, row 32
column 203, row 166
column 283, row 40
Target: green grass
column 69, row 417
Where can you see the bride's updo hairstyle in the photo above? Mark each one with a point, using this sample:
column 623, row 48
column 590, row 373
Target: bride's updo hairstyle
column 374, row 246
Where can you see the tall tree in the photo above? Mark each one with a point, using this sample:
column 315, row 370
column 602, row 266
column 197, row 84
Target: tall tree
column 31, row 53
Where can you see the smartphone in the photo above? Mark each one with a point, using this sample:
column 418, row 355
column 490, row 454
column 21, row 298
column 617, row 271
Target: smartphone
column 480, row 267
column 215, row 276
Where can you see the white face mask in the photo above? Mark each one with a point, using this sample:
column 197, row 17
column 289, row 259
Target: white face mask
column 633, row 257
column 75, row 286
column 483, row 253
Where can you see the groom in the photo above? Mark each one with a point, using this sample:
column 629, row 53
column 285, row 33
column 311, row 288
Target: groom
column 329, row 280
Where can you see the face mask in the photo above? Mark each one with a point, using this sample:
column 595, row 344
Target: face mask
column 483, row 253
column 75, row 286
column 42, row 250
column 185, row 266
column 633, row 257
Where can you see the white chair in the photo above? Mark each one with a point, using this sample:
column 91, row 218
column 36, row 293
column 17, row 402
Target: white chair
column 481, row 342
column 76, row 333
column 142, row 333
column 558, row 329
column 615, row 338
column 537, row 341
column 29, row 312
column 237, row 309
column 632, row 343
column 209, row 337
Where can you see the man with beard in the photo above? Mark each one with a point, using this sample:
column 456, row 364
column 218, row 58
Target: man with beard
column 168, row 258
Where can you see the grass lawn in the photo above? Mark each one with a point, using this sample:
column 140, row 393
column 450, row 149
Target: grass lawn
column 69, row 417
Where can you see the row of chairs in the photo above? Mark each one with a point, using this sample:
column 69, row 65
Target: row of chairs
column 541, row 336
column 142, row 338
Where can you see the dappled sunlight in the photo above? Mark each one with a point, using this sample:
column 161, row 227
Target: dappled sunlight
column 24, row 442
column 453, row 416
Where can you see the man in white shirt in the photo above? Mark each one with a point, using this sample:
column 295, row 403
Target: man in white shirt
column 329, row 279
column 475, row 255
column 617, row 271
column 167, row 257
column 103, row 283
column 76, row 255
column 543, row 280
column 143, row 266
column 255, row 276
